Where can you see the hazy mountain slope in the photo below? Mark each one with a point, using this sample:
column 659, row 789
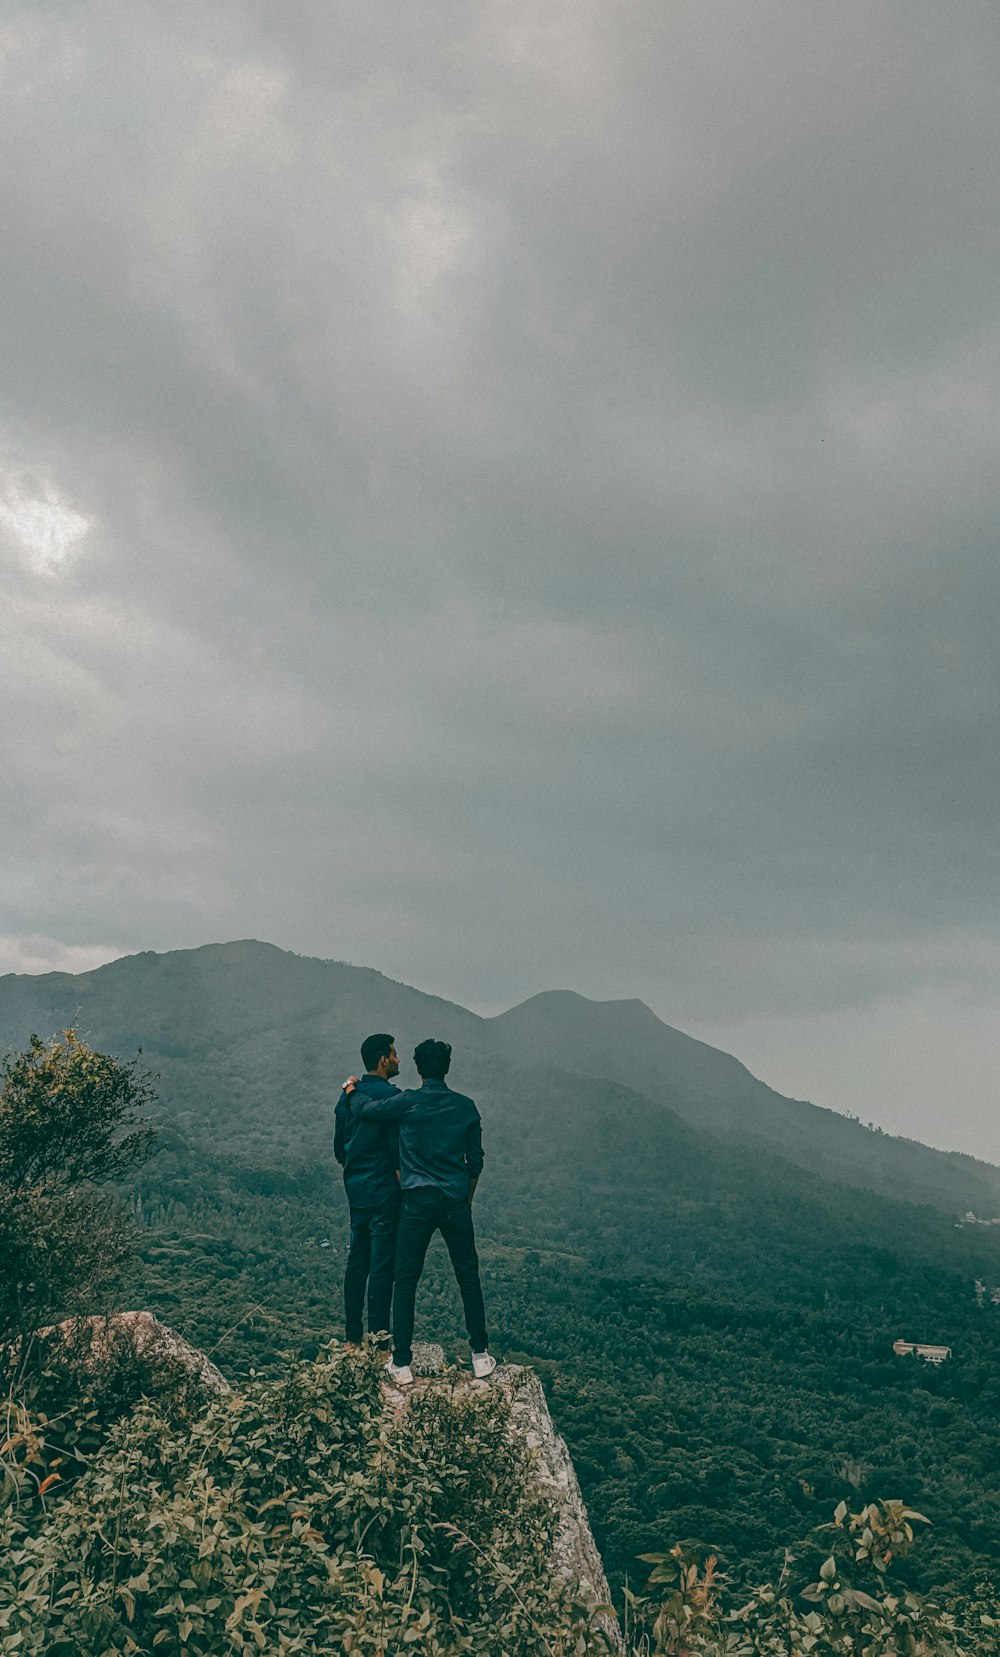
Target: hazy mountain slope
column 197, row 998
column 625, row 1040
column 251, row 1043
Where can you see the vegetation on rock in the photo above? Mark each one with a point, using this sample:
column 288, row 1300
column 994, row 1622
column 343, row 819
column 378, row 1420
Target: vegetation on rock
column 295, row 1516
column 300, row 1515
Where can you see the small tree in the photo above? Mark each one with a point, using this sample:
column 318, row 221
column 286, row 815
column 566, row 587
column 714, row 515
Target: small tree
column 70, row 1120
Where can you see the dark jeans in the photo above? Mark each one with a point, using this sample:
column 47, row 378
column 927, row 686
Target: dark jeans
column 371, row 1260
column 426, row 1210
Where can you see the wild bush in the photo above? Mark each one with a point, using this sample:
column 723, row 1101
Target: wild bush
column 70, row 1120
column 295, row 1517
column 71, row 1388
column 853, row 1607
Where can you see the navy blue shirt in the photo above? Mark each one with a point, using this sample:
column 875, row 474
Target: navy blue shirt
column 367, row 1151
column 440, row 1136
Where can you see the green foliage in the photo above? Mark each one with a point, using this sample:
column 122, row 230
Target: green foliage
column 79, row 1381
column 69, row 1116
column 69, row 1119
column 295, row 1517
column 852, row 1608
column 712, row 1398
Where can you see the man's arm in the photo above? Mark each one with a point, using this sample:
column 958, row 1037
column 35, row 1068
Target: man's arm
column 392, row 1109
column 474, row 1153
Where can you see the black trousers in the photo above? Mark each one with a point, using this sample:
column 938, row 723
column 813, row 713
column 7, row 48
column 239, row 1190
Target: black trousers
column 426, row 1210
column 371, row 1261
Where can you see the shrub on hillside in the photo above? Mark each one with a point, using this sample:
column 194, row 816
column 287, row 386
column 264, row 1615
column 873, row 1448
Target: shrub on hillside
column 82, row 1378
column 70, row 1119
column 295, row 1517
column 853, row 1608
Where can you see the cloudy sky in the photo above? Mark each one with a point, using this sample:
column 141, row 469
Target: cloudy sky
column 507, row 494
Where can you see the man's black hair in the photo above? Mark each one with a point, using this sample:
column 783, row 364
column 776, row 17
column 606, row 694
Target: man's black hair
column 374, row 1048
column 432, row 1059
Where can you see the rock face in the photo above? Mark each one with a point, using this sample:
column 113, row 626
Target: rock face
column 574, row 1553
column 428, row 1358
column 148, row 1336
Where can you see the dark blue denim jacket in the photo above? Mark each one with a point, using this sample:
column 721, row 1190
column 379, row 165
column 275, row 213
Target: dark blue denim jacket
column 367, row 1151
column 440, row 1136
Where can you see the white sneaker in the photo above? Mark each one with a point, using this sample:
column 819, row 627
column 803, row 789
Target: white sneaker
column 401, row 1376
column 482, row 1365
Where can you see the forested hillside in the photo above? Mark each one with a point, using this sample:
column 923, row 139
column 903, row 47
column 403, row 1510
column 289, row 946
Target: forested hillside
column 714, row 1324
column 713, row 1090
column 249, row 1040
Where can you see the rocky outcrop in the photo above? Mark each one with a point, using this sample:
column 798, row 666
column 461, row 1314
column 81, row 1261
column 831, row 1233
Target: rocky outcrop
column 146, row 1335
column 574, row 1552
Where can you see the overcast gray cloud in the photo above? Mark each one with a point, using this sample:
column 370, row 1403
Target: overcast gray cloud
column 508, row 494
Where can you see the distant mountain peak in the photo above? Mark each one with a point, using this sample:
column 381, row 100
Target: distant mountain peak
column 603, row 1036
column 575, row 999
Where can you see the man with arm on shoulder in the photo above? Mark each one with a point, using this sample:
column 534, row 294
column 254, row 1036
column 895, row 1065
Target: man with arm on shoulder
column 440, row 1160
column 367, row 1152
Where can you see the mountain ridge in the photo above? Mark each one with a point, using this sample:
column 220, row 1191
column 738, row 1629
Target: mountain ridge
column 265, row 1018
